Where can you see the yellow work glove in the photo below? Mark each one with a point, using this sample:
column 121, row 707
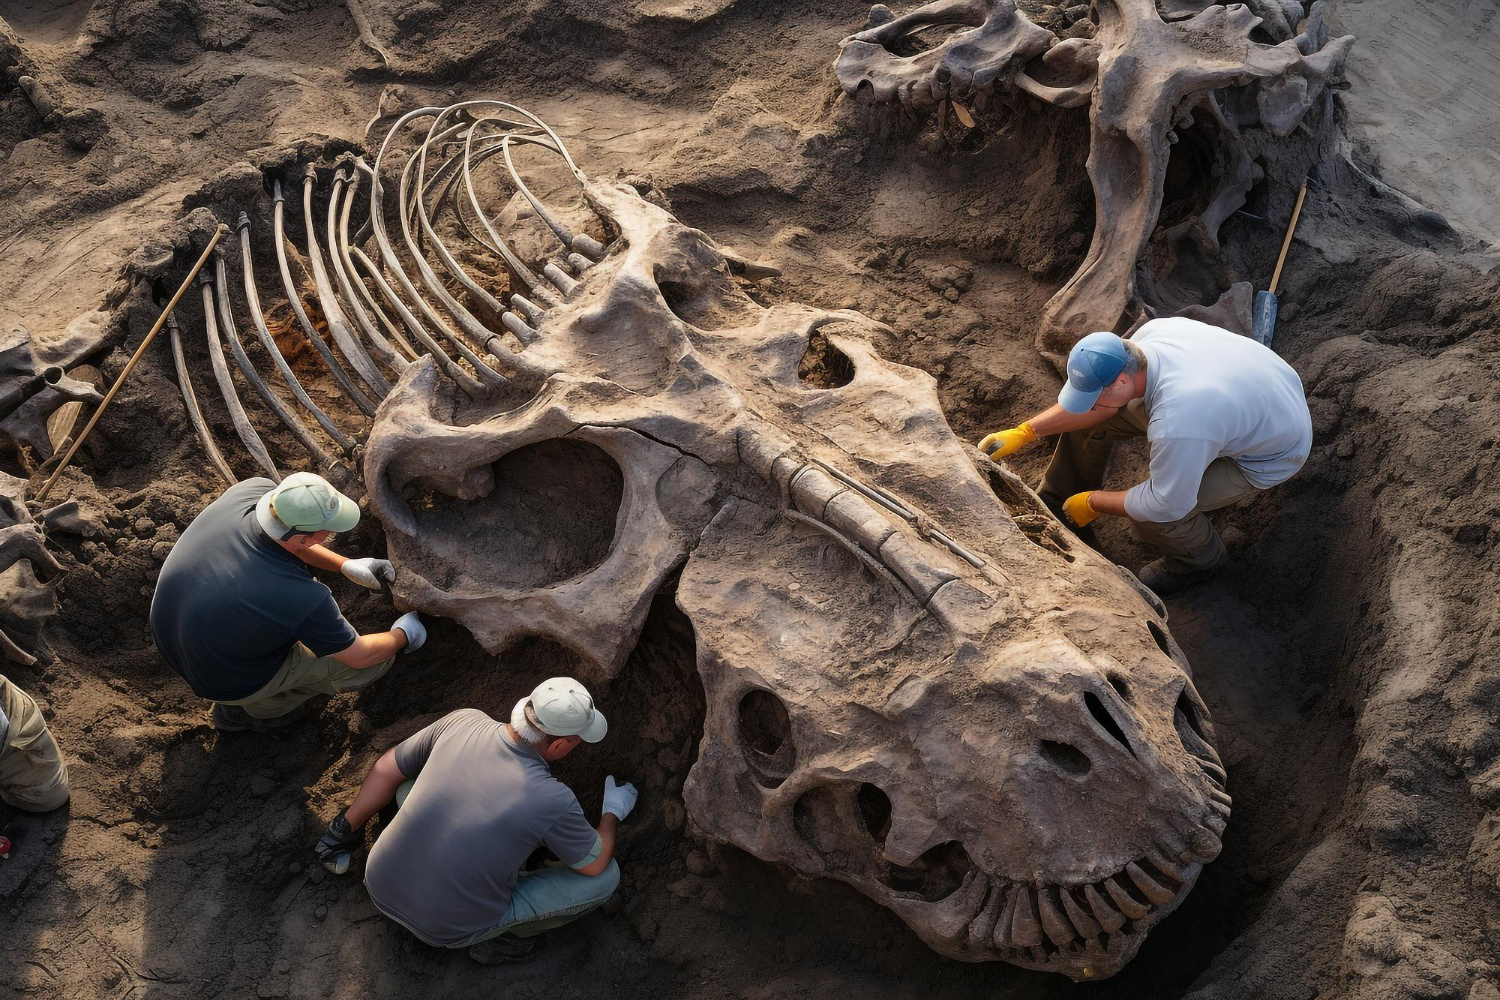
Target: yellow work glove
column 1079, row 510
column 1007, row 442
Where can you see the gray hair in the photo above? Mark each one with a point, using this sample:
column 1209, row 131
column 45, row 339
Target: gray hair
column 523, row 722
column 1135, row 359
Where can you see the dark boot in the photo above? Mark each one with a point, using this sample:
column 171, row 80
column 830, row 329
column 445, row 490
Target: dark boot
column 1166, row 583
column 506, row 948
column 234, row 719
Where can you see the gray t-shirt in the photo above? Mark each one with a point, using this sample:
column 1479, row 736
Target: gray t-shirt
column 230, row 602
column 482, row 802
column 1214, row 394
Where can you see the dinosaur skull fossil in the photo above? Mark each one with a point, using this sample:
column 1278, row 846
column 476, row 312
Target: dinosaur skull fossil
column 917, row 681
column 1147, row 72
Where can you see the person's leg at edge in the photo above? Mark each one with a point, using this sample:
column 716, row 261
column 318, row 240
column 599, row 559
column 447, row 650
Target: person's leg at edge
column 35, row 778
column 304, row 676
column 551, row 897
column 1191, row 545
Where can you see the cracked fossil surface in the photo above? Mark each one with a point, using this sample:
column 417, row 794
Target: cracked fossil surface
column 917, row 681
column 1148, row 72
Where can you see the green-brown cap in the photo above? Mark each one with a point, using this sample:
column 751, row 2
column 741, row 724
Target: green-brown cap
column 305, row 502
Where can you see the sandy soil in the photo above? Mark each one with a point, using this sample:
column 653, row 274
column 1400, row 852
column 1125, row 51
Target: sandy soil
column 1346, row 655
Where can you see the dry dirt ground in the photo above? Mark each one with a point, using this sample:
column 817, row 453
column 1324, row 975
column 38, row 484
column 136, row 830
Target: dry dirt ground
column 1348, row 656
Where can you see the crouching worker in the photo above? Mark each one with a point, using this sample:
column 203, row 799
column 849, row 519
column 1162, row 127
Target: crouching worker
column 239, row 615
column 32, row 773
column 1225, row 417
column 476, row 798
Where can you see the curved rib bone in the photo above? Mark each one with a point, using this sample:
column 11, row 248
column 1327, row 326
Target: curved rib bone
column 231, row 332
column 366, row 298
column 190, row 401
column 251, row 440
column 365, row 404
column 252, row 298
column 333, row 313
column 378, row 344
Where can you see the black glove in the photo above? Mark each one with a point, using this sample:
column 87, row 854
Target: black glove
column 336, row 847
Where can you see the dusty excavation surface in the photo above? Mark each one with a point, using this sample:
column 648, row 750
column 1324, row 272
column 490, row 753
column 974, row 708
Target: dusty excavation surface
column 1345, row 658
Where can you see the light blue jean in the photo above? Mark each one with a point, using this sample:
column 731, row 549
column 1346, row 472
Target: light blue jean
column 543, row 899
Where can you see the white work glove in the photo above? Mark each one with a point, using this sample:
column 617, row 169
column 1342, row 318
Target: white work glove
column 416, row 632
column 618, row 799
column 368, row 572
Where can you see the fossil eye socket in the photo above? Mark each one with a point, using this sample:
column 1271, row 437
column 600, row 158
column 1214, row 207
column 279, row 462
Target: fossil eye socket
column 765, row 731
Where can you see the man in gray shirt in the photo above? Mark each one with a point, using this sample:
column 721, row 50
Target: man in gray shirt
column 238, row 613
column 1225, row 417
column 476, row 798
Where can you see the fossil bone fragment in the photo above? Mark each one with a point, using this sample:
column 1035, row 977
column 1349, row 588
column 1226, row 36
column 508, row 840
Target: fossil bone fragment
column 1143, row 76
column 916, row 681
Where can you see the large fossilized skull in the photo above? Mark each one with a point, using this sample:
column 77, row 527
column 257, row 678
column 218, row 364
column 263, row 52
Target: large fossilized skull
column 1147, row 70
column 917, row 681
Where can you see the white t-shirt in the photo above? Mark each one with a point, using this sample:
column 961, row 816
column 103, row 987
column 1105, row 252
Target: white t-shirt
column 1214, row 394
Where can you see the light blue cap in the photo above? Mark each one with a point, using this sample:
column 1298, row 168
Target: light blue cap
column 1095, row 362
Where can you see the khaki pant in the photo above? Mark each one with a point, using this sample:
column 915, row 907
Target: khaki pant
column 304, row 675
column 32, row 773
column 1190, row 543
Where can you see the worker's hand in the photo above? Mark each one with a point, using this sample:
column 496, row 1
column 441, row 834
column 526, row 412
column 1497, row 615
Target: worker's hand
column 618, row 799
column 1007, row 442
column 336, row 847
column 368, row 572
column 416, row 632
column 1079, row 510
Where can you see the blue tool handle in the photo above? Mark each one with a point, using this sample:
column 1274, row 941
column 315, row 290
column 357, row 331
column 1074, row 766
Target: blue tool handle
column 1265, row 317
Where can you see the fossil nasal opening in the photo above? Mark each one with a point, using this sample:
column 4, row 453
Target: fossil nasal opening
column 1160, row 636
column 1067, row 757
column 824, row 366
column 1104, row 718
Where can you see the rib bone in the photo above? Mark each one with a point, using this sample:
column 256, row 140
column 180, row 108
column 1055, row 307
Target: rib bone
column 190, row 401
column 251, row 440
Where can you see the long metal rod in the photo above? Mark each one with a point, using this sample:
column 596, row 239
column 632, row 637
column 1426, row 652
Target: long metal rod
column 242, row 426
column 130, row 365
column 252, row 297
column 195, row 413
column 365, row 404
column 333, row 314
column 284, row 413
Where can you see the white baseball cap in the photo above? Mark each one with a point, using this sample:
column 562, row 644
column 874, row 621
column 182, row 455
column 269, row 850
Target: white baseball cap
column 564, row 707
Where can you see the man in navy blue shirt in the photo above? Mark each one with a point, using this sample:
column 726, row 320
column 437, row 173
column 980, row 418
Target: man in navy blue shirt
column 239, row 615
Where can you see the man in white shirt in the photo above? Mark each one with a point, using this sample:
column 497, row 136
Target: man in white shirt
column 1225, row 418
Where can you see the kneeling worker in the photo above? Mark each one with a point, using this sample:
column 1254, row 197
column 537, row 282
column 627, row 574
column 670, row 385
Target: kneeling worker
column 32, row 773
column 239, row 615
column 1225, row 418
column 476, row 798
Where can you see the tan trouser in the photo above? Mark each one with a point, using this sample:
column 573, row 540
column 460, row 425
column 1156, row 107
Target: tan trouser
column 1189, row 543
column 32, row 773
column 303, row 676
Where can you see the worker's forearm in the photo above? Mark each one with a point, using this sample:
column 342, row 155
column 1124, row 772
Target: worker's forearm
column 378, row 789
column 1108, row 502
column 371, row 649
column 608, row 824
column 322, row 557
column 1056, row 420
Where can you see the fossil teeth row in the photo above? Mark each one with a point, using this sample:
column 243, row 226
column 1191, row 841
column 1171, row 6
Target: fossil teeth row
column 1029, row 923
